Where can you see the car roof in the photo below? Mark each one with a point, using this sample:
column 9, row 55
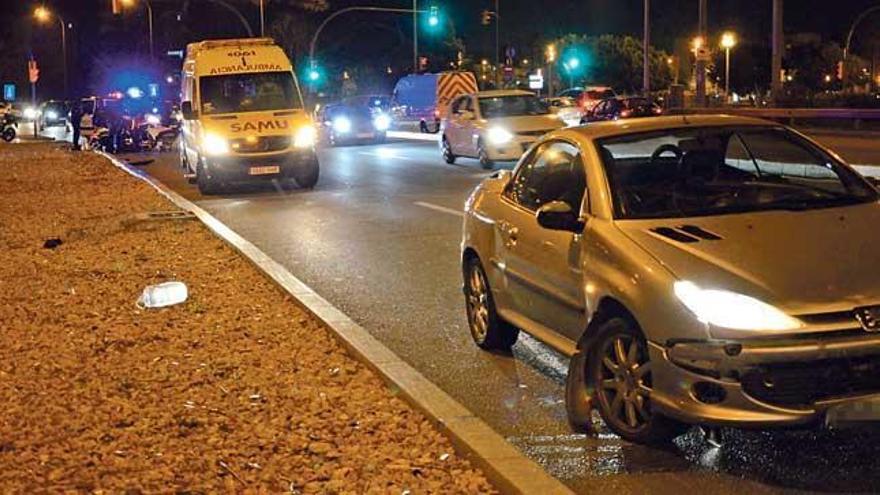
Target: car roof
column 601, row 130
column 496, row 93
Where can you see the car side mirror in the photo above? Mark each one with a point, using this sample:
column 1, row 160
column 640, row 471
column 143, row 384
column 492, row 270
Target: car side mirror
column 186, row 109
column 558, row 215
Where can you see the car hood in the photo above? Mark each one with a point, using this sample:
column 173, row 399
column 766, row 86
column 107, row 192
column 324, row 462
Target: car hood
column 806, row 262
column 527, row 123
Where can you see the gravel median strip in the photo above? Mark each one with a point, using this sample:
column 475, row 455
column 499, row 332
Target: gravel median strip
column 237, row 389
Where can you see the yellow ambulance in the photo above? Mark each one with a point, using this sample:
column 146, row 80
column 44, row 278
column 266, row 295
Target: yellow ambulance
column 243, row 116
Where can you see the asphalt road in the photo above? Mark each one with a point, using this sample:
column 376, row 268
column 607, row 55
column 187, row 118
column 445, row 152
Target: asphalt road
column 379, row 239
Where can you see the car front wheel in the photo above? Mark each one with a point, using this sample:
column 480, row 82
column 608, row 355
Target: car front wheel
column 488, row 330
column 483, row 155
column 620, row 371
column 448, row 156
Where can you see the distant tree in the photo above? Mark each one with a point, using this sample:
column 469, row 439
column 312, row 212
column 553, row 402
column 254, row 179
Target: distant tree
column 611, row 60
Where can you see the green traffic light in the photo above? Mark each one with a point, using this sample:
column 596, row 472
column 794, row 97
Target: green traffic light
column 434, row 17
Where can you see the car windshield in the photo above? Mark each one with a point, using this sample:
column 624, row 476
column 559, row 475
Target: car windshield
column 511, row 106
column 600, row 94
column 251, row 92
column 722, row 170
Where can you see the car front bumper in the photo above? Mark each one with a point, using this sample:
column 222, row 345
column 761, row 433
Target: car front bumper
column 241, row 168
column 509, row 151
column 803, row 381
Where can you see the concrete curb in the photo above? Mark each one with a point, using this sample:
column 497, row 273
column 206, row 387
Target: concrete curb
column 508, row 469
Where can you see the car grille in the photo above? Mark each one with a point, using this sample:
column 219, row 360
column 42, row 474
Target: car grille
column 264, row 144
column 802, row 384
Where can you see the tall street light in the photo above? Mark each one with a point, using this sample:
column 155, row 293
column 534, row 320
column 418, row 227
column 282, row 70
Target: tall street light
column 728, row 41
column 149, row 6
column 42, row 14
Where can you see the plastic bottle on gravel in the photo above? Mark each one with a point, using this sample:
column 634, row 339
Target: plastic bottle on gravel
column 162, row 295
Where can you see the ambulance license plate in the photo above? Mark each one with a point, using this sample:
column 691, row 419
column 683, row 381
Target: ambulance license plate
column 267, row 170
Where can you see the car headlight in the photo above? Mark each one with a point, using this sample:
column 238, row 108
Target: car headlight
column 153, row 119
column 215, row 145
column 51, row 115
column 382, row 122
column 726, row 309
column 342, row 125
column 498, row 135
column 305, row 137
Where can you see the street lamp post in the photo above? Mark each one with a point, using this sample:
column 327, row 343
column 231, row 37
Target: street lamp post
column 262, row 19
column 701, row 60
column 43, row 15
column 852, row 30
column 646, row 59
column 728, row 41
column 149, row 7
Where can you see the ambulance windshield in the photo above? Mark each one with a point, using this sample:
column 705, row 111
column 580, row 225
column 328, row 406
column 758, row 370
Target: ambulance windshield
column 249, row 92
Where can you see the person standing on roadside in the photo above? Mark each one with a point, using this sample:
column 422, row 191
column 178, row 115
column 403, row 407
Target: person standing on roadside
column 76, row 114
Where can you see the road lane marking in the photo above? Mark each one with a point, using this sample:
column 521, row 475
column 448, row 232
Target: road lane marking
column 389, row 156
column 439, row 208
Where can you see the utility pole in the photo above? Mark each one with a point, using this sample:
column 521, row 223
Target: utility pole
column 778, row 48
column 701, row 62
column 262, row 19
column 646, row 59
column 497, row 45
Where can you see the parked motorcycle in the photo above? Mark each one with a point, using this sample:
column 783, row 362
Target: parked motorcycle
column 8, row 127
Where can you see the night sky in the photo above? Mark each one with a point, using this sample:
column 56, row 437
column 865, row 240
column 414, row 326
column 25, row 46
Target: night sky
column 385, row 39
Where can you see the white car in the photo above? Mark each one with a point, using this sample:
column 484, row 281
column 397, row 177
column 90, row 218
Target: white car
column 494, row 126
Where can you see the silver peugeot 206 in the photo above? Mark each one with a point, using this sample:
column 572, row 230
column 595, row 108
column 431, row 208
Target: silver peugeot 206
column 713, row 270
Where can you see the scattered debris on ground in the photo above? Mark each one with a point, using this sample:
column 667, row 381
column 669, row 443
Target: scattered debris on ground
column 235, row 389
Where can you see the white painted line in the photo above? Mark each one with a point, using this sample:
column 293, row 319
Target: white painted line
column 414, row 136
column 439, row 208
column 387, row 155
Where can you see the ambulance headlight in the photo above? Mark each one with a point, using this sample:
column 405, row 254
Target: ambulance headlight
column 305, row 137
column 215, row 145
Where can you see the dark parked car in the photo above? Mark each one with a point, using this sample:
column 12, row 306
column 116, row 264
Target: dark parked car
column 622, row 108
column 345, row 123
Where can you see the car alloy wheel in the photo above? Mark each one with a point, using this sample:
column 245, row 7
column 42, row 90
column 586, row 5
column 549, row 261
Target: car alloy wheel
column 621, row 377
column 488, row 330
column 626, row 378
column 478, row 307
column 483, row 155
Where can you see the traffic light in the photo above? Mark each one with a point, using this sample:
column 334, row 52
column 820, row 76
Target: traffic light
column 486, row 18
column 434, row 16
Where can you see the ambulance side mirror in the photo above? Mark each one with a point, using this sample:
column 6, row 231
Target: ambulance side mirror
column 186, row 109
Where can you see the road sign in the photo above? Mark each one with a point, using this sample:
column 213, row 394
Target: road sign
column 9, row 92
column 536, row 81
column 704, row 54
column 33, row 71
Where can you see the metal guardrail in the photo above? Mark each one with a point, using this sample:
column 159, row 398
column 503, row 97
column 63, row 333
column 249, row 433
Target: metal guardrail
column 791, row 116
